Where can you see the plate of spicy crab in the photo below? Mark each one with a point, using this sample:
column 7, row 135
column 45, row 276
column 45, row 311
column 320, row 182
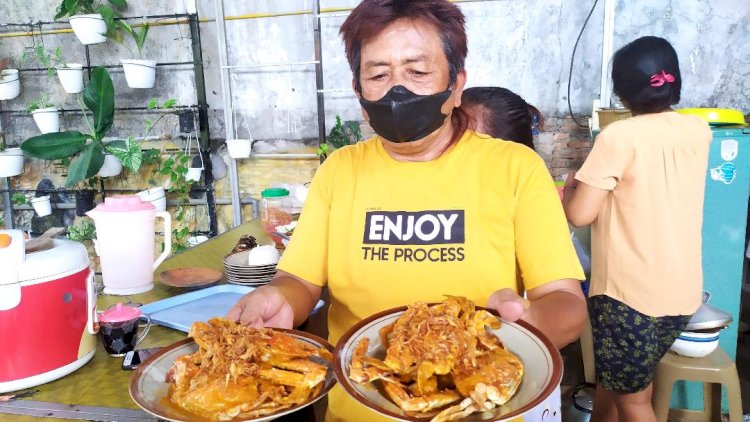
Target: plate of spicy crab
column 227, row 371
column 447, row 361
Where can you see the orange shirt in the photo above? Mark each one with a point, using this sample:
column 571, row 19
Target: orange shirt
column 646, row 240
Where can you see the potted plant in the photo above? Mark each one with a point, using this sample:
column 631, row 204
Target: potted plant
column 84, row 231
column 86, row 151
column 112, row 166
column 19, row 199
column 91, row 20
column 239, row 148
column 341, row 134
column 85, row 199
column 11, row 160
column 70, row 74
column 175, row 168
column 139, row 73
column 10, row 84
column 157, row 196
column 42, row 205
column 45, row 114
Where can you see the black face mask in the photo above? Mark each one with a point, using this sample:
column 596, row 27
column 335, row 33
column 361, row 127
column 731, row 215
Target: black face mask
column 403, row 116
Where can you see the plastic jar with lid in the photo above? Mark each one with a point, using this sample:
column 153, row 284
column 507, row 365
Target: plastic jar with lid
column 275, row 210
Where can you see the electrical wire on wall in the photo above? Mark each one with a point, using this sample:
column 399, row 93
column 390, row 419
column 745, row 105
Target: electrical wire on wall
column 572, row 57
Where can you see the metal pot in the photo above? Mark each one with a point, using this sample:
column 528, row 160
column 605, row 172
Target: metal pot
column 581, row 404
column 708, row 317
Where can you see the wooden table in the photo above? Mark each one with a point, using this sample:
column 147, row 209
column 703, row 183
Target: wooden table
column 101, row 386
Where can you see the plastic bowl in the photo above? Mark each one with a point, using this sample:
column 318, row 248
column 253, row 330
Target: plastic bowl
column 695, row 345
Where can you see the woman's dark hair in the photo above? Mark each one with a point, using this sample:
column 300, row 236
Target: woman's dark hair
column 646, row 75
column 503, row 113
column 370, row 17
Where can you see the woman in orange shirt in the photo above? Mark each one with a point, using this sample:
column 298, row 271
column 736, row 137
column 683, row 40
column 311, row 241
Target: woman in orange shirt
column 641, row 188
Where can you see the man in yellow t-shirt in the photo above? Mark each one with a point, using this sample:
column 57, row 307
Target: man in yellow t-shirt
column 426, row 208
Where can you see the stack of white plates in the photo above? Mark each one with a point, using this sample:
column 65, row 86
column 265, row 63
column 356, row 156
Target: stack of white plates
column 237, row 270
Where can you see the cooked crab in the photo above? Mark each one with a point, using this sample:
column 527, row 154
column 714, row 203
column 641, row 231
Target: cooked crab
column 240, row 371
column 438, row 355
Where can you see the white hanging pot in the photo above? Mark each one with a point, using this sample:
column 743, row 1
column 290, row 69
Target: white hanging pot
column 10, row 84
column 112, row 166
column 11, row 162
column 139, row 73
column 71, row 78
column 47, row 119
column 156, row 196
column 90, row 29
column 193, row 174
column 42, row 206
column 239, row 148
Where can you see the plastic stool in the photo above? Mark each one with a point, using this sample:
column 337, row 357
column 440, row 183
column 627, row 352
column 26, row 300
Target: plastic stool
column 713, row 370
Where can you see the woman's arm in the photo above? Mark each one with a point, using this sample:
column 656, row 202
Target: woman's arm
column 557, row 308
column 581, row 201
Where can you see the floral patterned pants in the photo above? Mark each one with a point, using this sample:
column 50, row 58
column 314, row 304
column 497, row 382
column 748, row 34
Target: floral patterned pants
column 629, row 344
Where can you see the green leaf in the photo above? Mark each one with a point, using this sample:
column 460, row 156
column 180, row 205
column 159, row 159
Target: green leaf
column 118, row 145
column 87, row 164
column 60, row 12
column 120, row 5
column 66, row 8
column 19, row 198
column 108, row 15
column 129, row 152
column 152, row 104
column 99, row 97
column 169, row 103
column 140, row 37
column 56, row 145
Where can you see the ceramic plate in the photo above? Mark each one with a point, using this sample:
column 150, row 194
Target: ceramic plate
column 241, row 259
column 190, row 277
column 542, row 363
column 149, row 390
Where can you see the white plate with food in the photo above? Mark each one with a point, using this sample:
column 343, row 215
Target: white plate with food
column 273, row 372
column 455, row 361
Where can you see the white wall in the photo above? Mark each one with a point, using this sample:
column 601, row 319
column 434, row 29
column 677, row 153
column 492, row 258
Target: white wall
column 524, row 45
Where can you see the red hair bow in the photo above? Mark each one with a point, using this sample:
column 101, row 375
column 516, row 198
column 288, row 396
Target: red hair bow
column 661, row 79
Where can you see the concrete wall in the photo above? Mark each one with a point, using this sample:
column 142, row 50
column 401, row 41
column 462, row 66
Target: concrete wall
column 521, row 44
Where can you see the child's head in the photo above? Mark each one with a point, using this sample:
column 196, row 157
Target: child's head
column 501, row 113
column 646, row 75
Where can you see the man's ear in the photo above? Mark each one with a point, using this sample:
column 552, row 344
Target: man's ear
column 458, row 87
column 354, row 87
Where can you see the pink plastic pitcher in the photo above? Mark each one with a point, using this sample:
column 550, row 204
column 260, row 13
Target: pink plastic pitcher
column 125, row 243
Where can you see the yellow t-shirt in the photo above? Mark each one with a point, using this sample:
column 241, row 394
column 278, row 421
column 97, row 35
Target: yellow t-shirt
column 382, row 233
column 646, row 241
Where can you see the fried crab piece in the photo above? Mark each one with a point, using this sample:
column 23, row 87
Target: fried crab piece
column 420, row 404
column 364, row 369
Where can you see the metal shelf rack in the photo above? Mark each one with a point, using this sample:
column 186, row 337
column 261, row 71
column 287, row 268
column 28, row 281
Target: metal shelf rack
column 201, row 108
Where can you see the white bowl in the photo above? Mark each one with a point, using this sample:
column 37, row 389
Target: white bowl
column 542, row 367
column 695, row 345
column 263, row 255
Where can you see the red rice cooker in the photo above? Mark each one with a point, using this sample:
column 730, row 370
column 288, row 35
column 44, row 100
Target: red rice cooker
column 47, row 311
